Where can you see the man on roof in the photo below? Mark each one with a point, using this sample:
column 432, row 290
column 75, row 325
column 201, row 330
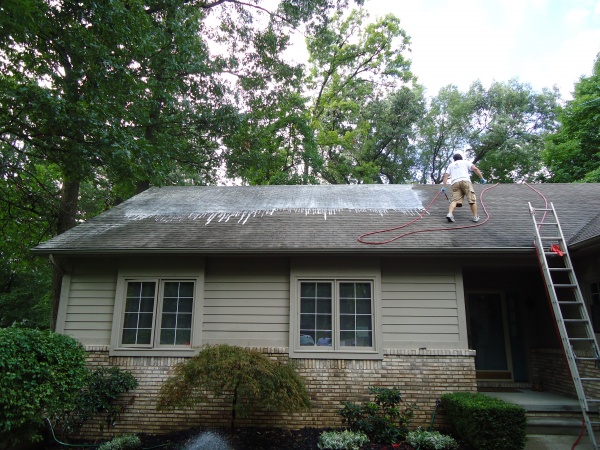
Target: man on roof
column 459, row 172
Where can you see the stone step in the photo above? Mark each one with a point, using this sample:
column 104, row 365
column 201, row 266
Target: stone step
column 554, row 426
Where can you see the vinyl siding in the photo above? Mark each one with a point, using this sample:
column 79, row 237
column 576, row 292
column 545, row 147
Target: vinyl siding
column 246, row 302
column 87, row 301
column 422, row 307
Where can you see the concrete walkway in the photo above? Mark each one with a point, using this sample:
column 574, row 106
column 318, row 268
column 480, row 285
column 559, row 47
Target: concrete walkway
column 556, row 442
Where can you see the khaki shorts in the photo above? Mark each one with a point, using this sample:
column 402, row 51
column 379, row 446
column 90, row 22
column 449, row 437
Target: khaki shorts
column 462, row 189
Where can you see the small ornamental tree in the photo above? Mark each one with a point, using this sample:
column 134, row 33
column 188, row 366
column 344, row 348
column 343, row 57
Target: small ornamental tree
column 42, row 374
column 248, row 378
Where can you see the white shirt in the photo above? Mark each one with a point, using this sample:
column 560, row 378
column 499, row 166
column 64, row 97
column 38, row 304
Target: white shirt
column 459, row 170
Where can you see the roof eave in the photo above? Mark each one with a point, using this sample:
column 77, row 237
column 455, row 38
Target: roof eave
column 266, row 251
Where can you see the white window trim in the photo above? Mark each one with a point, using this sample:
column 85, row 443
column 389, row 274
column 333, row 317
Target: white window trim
column 335, row 270
column 165, row 269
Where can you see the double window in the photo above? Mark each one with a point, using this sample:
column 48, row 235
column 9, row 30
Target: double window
column 158, row 313
column 335, row 315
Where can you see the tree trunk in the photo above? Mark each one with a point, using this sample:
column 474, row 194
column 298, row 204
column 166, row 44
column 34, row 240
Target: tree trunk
column 66, row 220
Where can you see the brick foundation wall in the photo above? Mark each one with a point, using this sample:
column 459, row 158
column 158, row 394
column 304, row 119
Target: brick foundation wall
column 550, row 369
column 422, row 376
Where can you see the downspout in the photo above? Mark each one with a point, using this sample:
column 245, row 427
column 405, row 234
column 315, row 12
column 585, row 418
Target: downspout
column 55, row 264
column 57, row 276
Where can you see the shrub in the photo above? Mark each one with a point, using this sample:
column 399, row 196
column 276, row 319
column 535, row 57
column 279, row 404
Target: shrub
column 250, row 379
column 430, row 440
column 485, row 422
column 382, row 420
column 98, row 399
column 125, row 442
column 342, row 440
column 42, row 375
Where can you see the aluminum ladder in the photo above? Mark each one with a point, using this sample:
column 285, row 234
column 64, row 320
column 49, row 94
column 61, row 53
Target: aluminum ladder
column 571, row 315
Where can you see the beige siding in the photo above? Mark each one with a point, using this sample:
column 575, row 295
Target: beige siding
column 422, row 306
column 87, row 301
column 246, row 302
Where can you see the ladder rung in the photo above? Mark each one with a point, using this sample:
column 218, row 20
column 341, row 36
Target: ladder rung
column 592, row 400
column 590, row 379
column 564, row 285
column 552, row 254
column 572, row 302
column 547, row 223
column 560, row 269
column 575, row 321
column 587, row 358
column 551, row 238
column 582, row 339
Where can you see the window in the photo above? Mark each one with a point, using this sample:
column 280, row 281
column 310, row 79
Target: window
column 157, row 313
column 336, row 315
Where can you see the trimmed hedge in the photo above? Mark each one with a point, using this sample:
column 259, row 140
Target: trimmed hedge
column 43, row 374
column 485, row 422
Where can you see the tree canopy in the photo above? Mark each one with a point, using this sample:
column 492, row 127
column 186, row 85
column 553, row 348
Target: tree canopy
column 573, row 152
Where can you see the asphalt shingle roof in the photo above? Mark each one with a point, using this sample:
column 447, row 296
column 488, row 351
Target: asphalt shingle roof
column 267, row 219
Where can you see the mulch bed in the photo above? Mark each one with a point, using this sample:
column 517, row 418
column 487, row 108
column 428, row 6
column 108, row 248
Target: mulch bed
column 251, row 438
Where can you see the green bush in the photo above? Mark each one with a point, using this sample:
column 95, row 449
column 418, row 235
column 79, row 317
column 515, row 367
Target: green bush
column 342, row 440
column 42, row 375
column 382, row 420
column 250, row 380
column 430, row 440
column 126, row 442
column 485, row 422
column 97, row 400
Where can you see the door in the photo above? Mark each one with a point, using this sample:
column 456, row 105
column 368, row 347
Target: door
column 488, row 335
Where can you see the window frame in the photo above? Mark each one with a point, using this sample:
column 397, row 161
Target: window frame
column 160, row 272
column 157, row 327
column 336, row 315
column 335, row 272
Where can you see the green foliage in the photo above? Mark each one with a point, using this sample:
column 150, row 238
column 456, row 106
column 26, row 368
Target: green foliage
column 126, row 442
column 99, row 100
column 572, row 153
column 354, row 66
column 430, row 440
column 441, row 133
column 485, row 422
column 382, row 420
column 501, row 128
column 43, row 374
column 342, row 440
column 98, row 400
column 250, row 380
column 25, row 293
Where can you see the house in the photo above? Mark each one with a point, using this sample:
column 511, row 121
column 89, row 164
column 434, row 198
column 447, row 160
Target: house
column 423, row 305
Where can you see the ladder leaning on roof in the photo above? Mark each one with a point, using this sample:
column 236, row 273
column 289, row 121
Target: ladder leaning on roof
column 572, row 319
